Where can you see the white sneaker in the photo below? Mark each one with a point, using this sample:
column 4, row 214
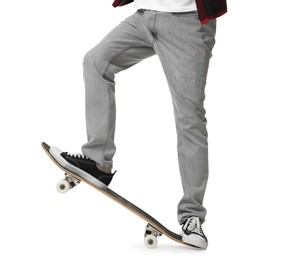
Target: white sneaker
column 192, row 233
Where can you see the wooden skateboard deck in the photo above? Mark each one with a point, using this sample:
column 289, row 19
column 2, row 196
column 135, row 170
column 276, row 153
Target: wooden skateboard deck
column 154, row 227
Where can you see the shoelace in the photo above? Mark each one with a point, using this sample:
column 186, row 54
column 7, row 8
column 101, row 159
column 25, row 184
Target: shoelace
column 76, row 156
column 194, row 225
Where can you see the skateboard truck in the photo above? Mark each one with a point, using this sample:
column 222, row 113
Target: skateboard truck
column 150, row 236
column 67, row 183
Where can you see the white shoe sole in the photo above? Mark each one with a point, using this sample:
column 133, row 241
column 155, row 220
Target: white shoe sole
column 195, row 240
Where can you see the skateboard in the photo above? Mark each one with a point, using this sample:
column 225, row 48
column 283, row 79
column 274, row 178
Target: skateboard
column 154, row 228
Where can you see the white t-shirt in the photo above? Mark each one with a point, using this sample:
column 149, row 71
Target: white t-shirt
column 166, row 5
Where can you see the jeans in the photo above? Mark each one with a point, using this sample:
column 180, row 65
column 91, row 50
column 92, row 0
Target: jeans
column 184, row 48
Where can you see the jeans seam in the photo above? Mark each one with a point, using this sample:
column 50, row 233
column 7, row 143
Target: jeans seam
column 145, row 41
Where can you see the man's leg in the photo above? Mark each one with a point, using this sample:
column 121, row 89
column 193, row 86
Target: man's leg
column 184, row 47
column 123, row 47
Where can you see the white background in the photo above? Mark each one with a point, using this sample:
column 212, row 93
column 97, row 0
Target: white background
column 254, row 110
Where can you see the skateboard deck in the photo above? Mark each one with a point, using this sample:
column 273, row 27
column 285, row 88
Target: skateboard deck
column 153, row 229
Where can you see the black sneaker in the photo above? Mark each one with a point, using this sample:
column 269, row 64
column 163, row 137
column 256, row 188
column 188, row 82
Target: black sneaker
column 82, row 166
column 192, row 233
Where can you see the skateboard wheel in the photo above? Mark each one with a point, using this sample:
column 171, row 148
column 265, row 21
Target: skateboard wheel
column 150, row 241
column 63, row 186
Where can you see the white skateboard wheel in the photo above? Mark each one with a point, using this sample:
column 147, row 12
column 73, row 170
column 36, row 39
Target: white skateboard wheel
column 150, row 241
column 63, row 186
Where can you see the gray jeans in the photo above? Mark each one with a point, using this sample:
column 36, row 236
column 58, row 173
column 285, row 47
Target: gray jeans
column 184, row 48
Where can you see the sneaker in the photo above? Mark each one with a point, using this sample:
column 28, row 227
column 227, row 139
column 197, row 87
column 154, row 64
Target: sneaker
column 192, row 233
column 82, row 166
